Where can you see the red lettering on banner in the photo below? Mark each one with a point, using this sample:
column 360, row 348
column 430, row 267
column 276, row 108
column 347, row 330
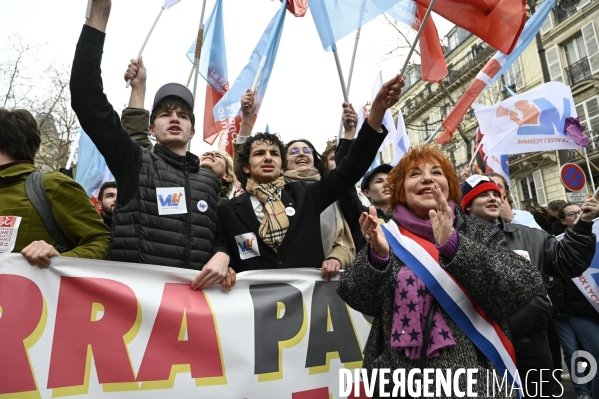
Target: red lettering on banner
column 319, row 393
column 180, row 308
column 21, row 310
column 77, row 328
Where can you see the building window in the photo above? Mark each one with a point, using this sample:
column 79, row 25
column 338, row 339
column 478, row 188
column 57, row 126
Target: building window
column 575, row 50
column 578, row 64
column 528, row 192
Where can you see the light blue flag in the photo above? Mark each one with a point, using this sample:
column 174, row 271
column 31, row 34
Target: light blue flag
column 92, row 170
column 213, row 61
column 335, row 19
column 405, row 12
column 267, row 130
column 531, row 28
column 265, row 52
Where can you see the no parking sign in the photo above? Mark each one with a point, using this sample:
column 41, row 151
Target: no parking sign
column 572, row 177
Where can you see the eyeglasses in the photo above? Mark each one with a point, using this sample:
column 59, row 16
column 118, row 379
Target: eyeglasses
column 214, row 154
column 295, row 151
column 573, row 213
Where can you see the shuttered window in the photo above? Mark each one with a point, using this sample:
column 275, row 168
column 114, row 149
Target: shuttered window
column 554, row 63
column 592, row 46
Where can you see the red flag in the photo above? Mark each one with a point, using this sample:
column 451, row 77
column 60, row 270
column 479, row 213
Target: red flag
column 432, row 58
column 297, row 7
column 497, row 22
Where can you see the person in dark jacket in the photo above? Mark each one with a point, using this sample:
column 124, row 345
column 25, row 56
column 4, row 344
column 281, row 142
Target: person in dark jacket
column 481, row 198
column 425, row 195
column 166, row 206
column 107, row 200
column 575, row 319
column 350, row 204
column 276, row 224
column 135, row 121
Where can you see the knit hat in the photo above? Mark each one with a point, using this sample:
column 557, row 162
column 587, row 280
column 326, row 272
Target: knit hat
column 474, row 186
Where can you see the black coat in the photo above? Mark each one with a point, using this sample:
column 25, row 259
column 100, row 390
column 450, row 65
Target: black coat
column 568, row 258
column 302, row 245
column 350, row 204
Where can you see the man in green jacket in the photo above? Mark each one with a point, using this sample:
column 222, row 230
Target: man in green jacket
column 21, row 227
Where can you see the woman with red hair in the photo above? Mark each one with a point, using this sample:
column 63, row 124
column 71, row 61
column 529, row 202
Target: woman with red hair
column 411, row 329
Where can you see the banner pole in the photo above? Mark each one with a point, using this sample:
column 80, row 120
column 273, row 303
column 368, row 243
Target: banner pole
column 340, row 72
column 146, row 41
column 193, row 67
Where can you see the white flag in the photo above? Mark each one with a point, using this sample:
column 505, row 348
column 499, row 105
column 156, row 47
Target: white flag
column 402, row 144
column 531, row 121
column 169, row 3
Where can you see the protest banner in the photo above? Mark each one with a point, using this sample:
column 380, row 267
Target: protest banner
column 90, row 328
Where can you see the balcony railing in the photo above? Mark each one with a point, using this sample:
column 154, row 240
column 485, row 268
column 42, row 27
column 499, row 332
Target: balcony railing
column 561, row 15
column 457, row 70
column 579, row 71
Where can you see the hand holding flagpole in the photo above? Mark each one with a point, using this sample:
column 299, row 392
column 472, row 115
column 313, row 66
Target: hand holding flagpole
column 257, row 78
column 167, row 4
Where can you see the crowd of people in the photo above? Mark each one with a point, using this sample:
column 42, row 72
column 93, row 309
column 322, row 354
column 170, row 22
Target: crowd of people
column 298, row 208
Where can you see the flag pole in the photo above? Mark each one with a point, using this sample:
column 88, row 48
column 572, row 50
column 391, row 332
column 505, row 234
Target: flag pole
column 475, row 151
column 196, row 61
column 420, row 30
column 193, row 67
column 432, row 136
column 88, row 11
column 146, row 41
column 351, row 72
column 589, row 166
column 340, row 72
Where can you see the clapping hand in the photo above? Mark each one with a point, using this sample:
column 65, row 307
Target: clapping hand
column 372, row 230
column 441, row 217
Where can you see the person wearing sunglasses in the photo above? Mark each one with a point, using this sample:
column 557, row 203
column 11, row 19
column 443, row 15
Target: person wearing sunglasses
column 575, row 320
column 276, row 223
column 568, row 258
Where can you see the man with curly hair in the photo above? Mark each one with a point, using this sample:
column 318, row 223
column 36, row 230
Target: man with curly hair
column 276, row 225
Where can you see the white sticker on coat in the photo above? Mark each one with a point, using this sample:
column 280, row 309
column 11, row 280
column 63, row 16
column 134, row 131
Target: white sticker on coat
column 523, row 253
column 9, row 227
column 248, row 245
column 171, row 200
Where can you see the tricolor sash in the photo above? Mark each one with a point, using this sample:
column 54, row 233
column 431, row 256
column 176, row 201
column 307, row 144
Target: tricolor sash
column 455, row 300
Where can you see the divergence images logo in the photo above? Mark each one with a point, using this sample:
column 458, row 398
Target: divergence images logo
column 581, row 366
column 538, row 117
column 246, row 246
column 171, row 199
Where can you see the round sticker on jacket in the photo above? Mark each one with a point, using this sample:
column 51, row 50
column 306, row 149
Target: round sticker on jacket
column 202, row 206
column 290, row 211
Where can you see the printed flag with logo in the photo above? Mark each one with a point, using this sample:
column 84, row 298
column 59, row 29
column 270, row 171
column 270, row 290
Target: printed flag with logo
column 92, row 170
column 213, row 68
column 529, row 122
column 335, row 19
column 432, row 58
column 588, row 282
column 228, row 109
column 492, row 71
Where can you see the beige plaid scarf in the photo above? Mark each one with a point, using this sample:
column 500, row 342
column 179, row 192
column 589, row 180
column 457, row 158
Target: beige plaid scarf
column 275, row 222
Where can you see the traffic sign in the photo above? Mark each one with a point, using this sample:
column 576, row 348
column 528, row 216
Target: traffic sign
column 572, row 177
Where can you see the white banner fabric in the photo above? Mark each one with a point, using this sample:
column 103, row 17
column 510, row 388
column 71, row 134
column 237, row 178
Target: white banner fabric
column 89, row 329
